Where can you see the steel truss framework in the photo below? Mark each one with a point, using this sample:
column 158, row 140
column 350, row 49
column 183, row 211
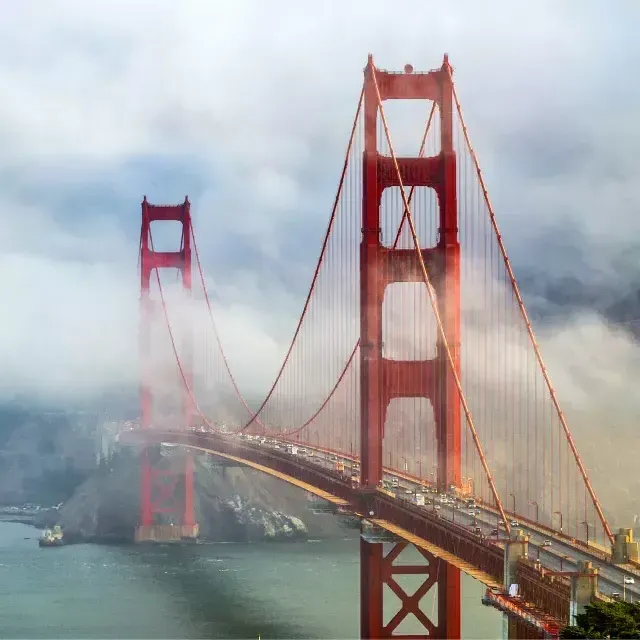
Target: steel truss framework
column 378, row 570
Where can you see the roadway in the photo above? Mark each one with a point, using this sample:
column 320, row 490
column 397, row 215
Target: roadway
column 561, row 555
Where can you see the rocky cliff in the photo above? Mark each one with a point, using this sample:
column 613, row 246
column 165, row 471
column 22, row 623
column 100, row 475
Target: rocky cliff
column 232, row 504
column 44, row 454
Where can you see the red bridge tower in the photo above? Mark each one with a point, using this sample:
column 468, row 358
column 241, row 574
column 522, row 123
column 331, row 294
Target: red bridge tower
column 166, row 511
column 382, row 380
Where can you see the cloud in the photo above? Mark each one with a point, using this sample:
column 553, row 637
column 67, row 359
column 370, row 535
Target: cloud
column 246, row 107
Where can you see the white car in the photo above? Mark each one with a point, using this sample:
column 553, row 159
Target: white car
column 514, row 523
column 546, row 543
column 628, row 580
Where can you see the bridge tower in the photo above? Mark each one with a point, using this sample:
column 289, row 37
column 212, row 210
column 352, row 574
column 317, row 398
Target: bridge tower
column 166, row 494
column 382, row 379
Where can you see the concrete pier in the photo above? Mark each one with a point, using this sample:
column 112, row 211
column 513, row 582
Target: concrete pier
column 166, row 533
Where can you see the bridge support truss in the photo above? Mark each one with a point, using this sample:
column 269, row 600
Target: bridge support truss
column 166, row 494
column 379, row 570
column 382, row 379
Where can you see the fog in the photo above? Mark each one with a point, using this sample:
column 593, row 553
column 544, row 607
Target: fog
column 247, row 109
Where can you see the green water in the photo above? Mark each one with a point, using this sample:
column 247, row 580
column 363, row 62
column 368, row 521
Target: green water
column 289, row 590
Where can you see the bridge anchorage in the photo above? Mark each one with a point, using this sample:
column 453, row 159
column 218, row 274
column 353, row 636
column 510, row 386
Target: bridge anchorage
column 429, row 419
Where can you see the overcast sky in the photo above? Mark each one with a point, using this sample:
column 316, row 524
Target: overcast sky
column 246, row 107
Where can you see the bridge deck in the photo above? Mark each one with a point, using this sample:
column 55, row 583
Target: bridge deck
column 438, row 552
column 276, row 474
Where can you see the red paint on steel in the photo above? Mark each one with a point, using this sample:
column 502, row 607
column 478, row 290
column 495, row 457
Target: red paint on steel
column 158, row 486
column 382, row 380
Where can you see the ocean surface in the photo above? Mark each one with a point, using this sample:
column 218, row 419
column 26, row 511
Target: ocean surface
column 272, row 590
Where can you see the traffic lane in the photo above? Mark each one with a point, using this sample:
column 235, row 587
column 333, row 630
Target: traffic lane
column 567, row 549
column 561, row 556
column 554, row 560
column 610, row 580
column 608, row 573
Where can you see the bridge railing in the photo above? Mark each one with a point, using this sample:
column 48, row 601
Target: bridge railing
column 549, row 592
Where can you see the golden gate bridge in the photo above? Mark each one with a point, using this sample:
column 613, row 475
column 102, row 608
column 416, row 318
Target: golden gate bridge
column 413, row 369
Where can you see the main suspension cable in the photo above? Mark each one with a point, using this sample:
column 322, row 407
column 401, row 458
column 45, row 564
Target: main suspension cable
column 525, row 317
column 318, row 265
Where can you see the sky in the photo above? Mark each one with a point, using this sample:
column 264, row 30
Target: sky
column 245, row 106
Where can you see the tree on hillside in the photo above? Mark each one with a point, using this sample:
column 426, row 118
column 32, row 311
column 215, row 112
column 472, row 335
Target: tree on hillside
column 615, row 619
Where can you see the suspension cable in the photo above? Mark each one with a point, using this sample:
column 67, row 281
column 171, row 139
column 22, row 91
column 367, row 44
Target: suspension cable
column 255, row 416
column 173, row 343
column 318, row 265
column 216, row 333
column 525, row 317
column 423, row 145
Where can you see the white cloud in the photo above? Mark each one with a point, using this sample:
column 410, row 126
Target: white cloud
column 258, row 98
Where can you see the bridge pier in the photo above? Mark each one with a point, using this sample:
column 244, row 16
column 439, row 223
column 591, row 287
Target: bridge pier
column 166, row 533
column 379, row 570
column 624, row 549
column 514, row 549
column 584, row 589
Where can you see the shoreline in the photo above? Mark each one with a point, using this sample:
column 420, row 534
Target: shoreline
column 18, row 519
column 116, row 540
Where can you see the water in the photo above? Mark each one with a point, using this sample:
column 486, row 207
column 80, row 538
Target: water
column 288, row 590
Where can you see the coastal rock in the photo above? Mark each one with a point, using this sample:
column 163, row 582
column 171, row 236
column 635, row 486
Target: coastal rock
column 232, row 504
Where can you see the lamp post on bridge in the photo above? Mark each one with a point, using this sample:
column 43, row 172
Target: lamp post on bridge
column 586, row 526
column 562, row 559
column 560, row 514
column 513, row 495
column 537, row 506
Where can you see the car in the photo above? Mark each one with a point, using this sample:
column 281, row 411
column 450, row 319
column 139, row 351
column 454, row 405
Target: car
column 628, row 580
column 514, row 523
column 546, row 543
column 495, row 532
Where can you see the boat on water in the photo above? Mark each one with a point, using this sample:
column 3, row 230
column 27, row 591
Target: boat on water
column 52, row 537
